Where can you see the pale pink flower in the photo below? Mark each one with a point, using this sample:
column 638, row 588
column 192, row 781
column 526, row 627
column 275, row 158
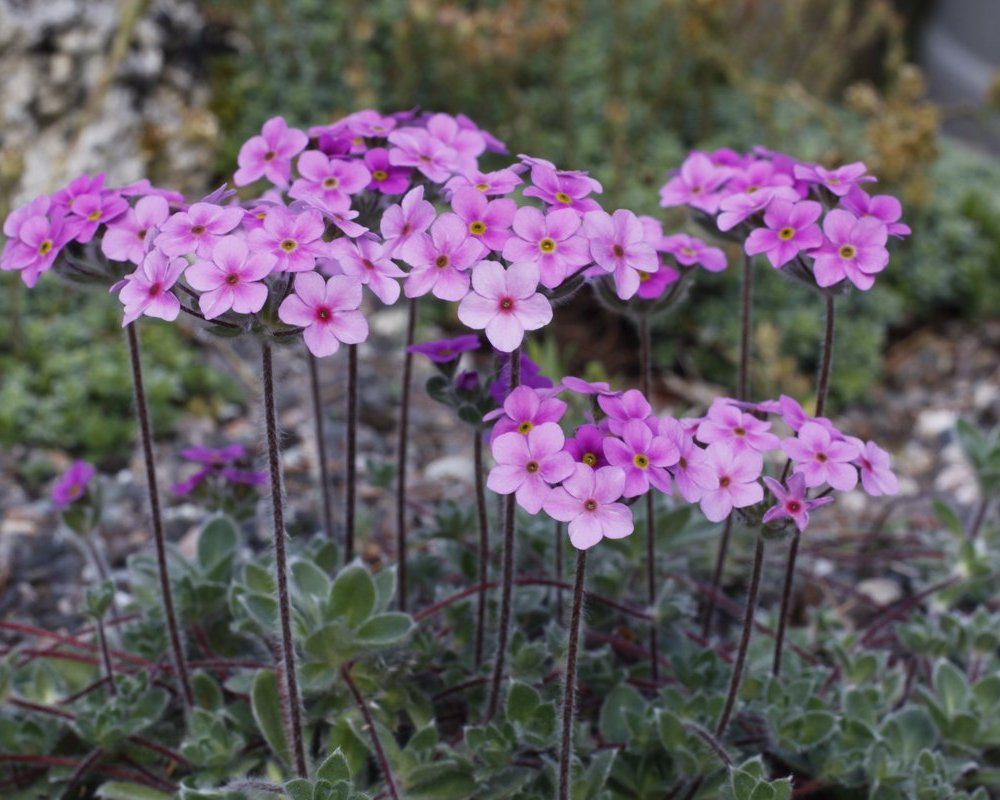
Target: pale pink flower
column 726, row 423
column 527, row 466
column 197, row 229
column 125, row 239
column 440, row 260
column 644, row 457
column 270, row 154
column 505, row 303
column 231, row 279
column 147, row 290
column 875, row 465
column 551, row 241
column 488, row 221
column 295, row 239
column 618, row 245
column 690, row 250
column 737, row 473
column 791, row 228
column 696, row 184
column 365, row 260
column 854, row 248
column 330, row 181
column 839, row 181
column 403, row 221
column 821, row 458
column 327, row 310
column 587, row 500
column 524, row 409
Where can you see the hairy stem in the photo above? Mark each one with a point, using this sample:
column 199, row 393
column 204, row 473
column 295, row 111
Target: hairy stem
column 82, row 769
column 484, row 541
column 559, row 533
column 507, row 572
column 569, row 685
column 826, row 359
column 720, row 563
column 383, row 762
column 159, row 538
column 401, row 455
column 324, row 475
column 786, row 601
column 281, row 564
column 646, row 385
column 352, row 452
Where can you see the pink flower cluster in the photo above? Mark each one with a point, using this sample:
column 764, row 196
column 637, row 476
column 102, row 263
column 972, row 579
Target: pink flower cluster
column 817, row 222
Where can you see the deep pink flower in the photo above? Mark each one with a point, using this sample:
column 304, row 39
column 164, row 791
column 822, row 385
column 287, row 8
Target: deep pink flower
column 791, row 228
column 618, row 245
column 72, row 484
column 213, row 456
column 854, row 248
column 369, row 123
column 737, row 473
column 884, row 207
column 792, row 502
column 488, row 221
column 125, row 239
column 94, row 210
column 386, row 178
column 695, row 184
column 652, row 285
column 839, row 180
column 528, row 465
column 441, row 259
column 231, row 279
column 365, row 260
column 644, row 457
column 524, row 409
column 499, row 182
column 737, row 208
column 505, row 303
column 401, row 222
column 294, row 239
column 415, row 147
column 147, row 290
column 444, row 351
column 623, row 408
column 587, row 500
column 875, row 465
column 34, row 238
column 551, row 241
column 328, row 310
column 563, row 189
column 756, row 176
column 329, row 181
column 79, row 186
column 690, row 250
column 587, row 446
column 197, row 229
column 822, row 459
column 726, row 423
column 270, row 154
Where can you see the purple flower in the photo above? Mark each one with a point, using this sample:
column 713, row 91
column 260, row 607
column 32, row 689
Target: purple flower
column 126, row 238
column 737, row 208
column 365, row 260
column 329, row 182
column 466, row 141
column 523, row 410
column 147, row 290
column 79, row 186
column 756, row 176
column 294, row 240
column 328, row 310
column 644, row 457
column 854, row 248
column 413, row 215
column 618, row 245
column 502, row 181
column 580, row 386
column 550, row 241
column 505, row 303
column 441, row 260
column 197, row 229
column 270, row 154
column 695, row 184
column 726, row 423
column 386, row 178
column 467, row 381
column 443, row 351
column 247, row 477
column 488, row 221
column 231, row 279
column 587, row 500
column 416, row 147
column 218, row 461
column 71, row 485
column 652, row 285
column 692, row 474
column 822, row 459
column 839, row 181
column 884, row 207
column 791, row 228
column 562, row 189
column 623, row 408
column 875, row 465
column 690, row 250
column 587, row 446
column 369, row 123
column 93, row 210
column 737, row 473
column 531, row 375
column 792, row 502
column 214, row 456
column 528, row 465
column 34, row 239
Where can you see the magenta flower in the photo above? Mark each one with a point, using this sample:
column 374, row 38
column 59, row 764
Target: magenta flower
column 822, row 459
column 884, row 207
column 125, row 239
column 618, row 245
column 695, row 184
column 386, row 178
column 79, row 186
column 270, row 154
column 444, row 351
column 690, row 250
column 400, row 223
column 329, row 182
column 365, row 260
column 466, row 141
column 644, row 457
column 587, row 500
column 218, row 461
column 855, row 249
column 693, row 475
column 147, row 290
column 737, row 208
column 71, row 485
column 295, row 240
column 531, row 375
column 587, row 446
column 792, row 502
column 231, row 279
column 563, row 189
column 726, row 423
column 215, row 455
column 415, row 147
column 197, row 229
column 327, row 310
column 737, row 473
column 839, row 181
column 369, row 123
column 528, row 465
column 875, row 464
column 441, row 259
column 523, row 410
column 580, row 386
column 550, row 240
column 486, row 220
column 93, row 210
column 623, row 408
column 505, row 303
column 34, row 239
column 500, row 182
column 791, row 228
column 756, row 176
column 652, row 285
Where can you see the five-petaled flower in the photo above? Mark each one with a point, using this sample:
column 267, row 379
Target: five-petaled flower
column 327, row 310
column 505, row 303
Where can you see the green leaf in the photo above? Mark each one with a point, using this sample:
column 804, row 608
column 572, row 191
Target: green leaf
column 620, row 701
column 385, row 587
column 266, row 704
column 334, row 768
column 522, row 700
column 951, row 687
column 120, row 790
column 352, row 595
column 948, row 517
column 909, row 731
column 384, row 629
column 597, row 774
column 261, row 608
column 309, row 579
column 816, row 726
column 207, row 693
column 299, row 789
column 448, row 781
column 987, row 692
column 218, row 541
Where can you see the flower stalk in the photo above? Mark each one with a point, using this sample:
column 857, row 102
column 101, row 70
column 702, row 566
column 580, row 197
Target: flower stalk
column 321, row 457
column 402, row 451
column 350, row 501
column 569, row 684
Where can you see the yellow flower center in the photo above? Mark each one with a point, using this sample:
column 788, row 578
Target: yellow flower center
column 786, row 233
column 644, row 276
column 525, row 426
column 547, row 245
column 45, row 247
column 562, row 197
column 477, row 227
column 482, row 186
column 641, row 460
column 847, row 251
column 94, row 215
column 330, row 183
column 288, row 245
column 589, row 458
column 380, row 174
column 532, row 467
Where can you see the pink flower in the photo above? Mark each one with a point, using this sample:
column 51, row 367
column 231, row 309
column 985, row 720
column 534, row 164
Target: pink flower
column 147, row 290
column 231, row 279
column 365, row 260
column 791, row 227
column 488, row 221
column 587, row 446
column 737, row 208
column 855, row 249
column 415, row 147
column 737, row 473
column 692, row 474
column 79, row 186
column 402, row 222
column 563, row 189
column 839, row 181
column 72, row 483
column 644, row 457
column 623, row 408
column 884, row 207
column 441, row 260
column 294, row 239
column 695, row 184
column 690, row 250
column 652, row 285
column 34, row 238
column 369, row 123
column 524, row 409
column 550, row 241
column 726, row 423
column 792, row 502
column 618, row 245
column 875, row 464
column 580, row 386
column 328, row 310
column 756, row 176
column 386, row 178
column 528, row 465
column 587, row 500
column 94, row 210
column 270, row 154
column 125, row 239
column 197, row 229
column 502, row 181
column 505, row 303
column 821, row 459
column 329, row 181
column 465, row 141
